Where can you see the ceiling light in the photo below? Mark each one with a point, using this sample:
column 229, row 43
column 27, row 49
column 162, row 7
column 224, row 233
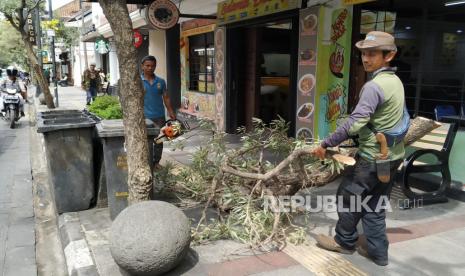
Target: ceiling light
column 408, row 28
column 453, row 3
column 459, row 31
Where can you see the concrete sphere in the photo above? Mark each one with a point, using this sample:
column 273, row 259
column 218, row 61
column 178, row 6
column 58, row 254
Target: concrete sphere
column 42, row 99
column 149, row 238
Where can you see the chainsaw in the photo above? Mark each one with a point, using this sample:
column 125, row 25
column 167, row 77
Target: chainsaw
column 171, row 130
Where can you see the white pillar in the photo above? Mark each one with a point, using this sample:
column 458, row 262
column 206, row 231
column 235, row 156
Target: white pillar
column 157, row 46
column 113, row 68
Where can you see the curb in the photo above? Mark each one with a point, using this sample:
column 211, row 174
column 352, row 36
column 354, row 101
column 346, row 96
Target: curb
column 49, row 254
column 77, row 253
column 55, row 233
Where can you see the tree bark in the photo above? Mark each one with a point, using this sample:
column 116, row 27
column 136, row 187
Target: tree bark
column 132, row 101
column 419, row 127
column 38, row 73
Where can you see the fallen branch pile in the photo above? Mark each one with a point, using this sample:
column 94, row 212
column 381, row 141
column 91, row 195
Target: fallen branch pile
column 238, row 181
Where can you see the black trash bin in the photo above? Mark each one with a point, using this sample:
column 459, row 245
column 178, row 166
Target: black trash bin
column 115, row 161
column 68, row 143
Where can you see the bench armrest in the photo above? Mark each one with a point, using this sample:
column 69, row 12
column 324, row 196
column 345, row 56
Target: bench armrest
column 441, row 166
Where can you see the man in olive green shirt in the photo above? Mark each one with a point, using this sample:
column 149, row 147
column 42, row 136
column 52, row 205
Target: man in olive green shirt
column 380, row 107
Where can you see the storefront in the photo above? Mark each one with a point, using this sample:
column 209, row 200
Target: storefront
column 197, row 72
column 431, row 49
column 431, row 41
column 280, row 59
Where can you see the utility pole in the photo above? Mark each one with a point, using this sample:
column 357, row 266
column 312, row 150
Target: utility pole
column 39, row 44
column 86, row 62
column 54, row 76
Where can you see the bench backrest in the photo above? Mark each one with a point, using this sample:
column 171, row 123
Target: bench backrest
column 440, row 139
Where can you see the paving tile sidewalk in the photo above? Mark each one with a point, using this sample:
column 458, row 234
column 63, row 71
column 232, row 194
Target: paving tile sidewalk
column 17, row 235
column 424, row 241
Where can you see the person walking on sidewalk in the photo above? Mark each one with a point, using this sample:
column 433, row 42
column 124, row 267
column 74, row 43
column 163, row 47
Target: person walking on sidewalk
column 381, row 107
column 155, row 100
column 91, row 83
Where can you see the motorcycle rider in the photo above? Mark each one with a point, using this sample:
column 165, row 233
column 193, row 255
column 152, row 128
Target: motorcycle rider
column 13, row 82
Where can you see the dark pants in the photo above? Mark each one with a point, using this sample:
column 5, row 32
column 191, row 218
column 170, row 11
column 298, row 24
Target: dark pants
column 363, row 182
column 91, row 94
column 157, row 148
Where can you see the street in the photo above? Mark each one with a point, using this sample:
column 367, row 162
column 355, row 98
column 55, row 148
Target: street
column 17, row 235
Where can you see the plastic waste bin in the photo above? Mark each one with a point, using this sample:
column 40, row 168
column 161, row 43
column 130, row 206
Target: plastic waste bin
column 68, row 144
column 115, row 161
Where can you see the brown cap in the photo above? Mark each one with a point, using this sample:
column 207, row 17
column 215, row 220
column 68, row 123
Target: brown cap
column 377, row 40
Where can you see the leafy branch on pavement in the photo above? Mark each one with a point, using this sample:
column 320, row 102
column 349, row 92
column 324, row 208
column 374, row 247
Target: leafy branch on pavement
column 241, row 182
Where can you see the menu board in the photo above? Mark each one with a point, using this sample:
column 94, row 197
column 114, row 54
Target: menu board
column 306, row 80
column 333, row 68
column 220, row 47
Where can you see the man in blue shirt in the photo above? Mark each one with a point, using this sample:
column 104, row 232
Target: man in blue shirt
column 155, row 100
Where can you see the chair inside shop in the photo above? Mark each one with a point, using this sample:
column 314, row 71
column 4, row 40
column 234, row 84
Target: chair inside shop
column 444, row 110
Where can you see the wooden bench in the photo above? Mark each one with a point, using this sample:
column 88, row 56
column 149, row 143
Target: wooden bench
column 437, row 143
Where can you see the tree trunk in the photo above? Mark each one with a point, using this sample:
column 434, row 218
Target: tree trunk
column 419, row 127
column 132, row 101
column 39, row 75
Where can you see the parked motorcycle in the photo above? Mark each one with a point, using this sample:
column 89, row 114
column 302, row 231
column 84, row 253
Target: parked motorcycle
column 12, row 103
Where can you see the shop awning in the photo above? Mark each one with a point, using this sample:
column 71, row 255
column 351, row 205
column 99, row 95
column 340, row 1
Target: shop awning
column 91, row 37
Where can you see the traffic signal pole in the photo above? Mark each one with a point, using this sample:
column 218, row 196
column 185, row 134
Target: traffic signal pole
column 54, row 76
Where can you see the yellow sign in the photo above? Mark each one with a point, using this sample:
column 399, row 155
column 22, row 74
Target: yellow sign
column 122, row 162
column 236, row 10
column 122, row 194
column 354, row 2
column 199, row 30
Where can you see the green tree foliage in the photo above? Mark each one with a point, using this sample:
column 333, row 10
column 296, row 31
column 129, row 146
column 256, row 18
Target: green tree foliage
column 68, row 35
column 16, row 12
column 11, row 46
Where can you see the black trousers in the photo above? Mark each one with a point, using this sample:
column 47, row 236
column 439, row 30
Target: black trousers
column 363, row 184
column 157, row 148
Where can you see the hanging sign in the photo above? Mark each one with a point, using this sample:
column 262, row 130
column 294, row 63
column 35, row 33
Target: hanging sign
column 162, row 14
column 102, row 46
column 138, row 39
column 29, row 26
column 236, row 10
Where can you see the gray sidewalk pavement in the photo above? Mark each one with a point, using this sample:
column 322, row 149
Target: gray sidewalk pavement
column 17, row 235
column 427, row 240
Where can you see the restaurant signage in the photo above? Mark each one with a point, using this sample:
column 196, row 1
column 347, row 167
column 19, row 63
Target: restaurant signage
column 236, row 10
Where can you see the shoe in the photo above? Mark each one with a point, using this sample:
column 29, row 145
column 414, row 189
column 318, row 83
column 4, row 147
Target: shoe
column 157, row 167
column 328, row 243
column 87, row 103
column 22, row 114
column 363, row 252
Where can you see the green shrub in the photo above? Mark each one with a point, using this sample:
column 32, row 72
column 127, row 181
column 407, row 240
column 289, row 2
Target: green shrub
column 107, row 107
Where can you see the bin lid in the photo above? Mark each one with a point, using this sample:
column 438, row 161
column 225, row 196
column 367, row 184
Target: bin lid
column 59, row 123
column 60, row 112
column 115, row 128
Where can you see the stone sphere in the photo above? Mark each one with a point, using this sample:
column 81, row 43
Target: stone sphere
column 42, row 99
column 149, row 238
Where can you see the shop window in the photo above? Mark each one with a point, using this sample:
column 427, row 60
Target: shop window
column 201, row 63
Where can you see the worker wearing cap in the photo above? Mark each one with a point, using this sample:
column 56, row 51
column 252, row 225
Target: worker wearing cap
column 380, row 106
column 91, row 82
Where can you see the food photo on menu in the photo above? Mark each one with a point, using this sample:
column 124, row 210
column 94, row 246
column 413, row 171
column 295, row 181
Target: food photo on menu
column 304, row 134
column 305, row 111
column 306, row 84
column 309, row 24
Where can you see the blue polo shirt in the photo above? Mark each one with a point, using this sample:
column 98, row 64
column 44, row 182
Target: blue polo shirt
column 153, row 100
